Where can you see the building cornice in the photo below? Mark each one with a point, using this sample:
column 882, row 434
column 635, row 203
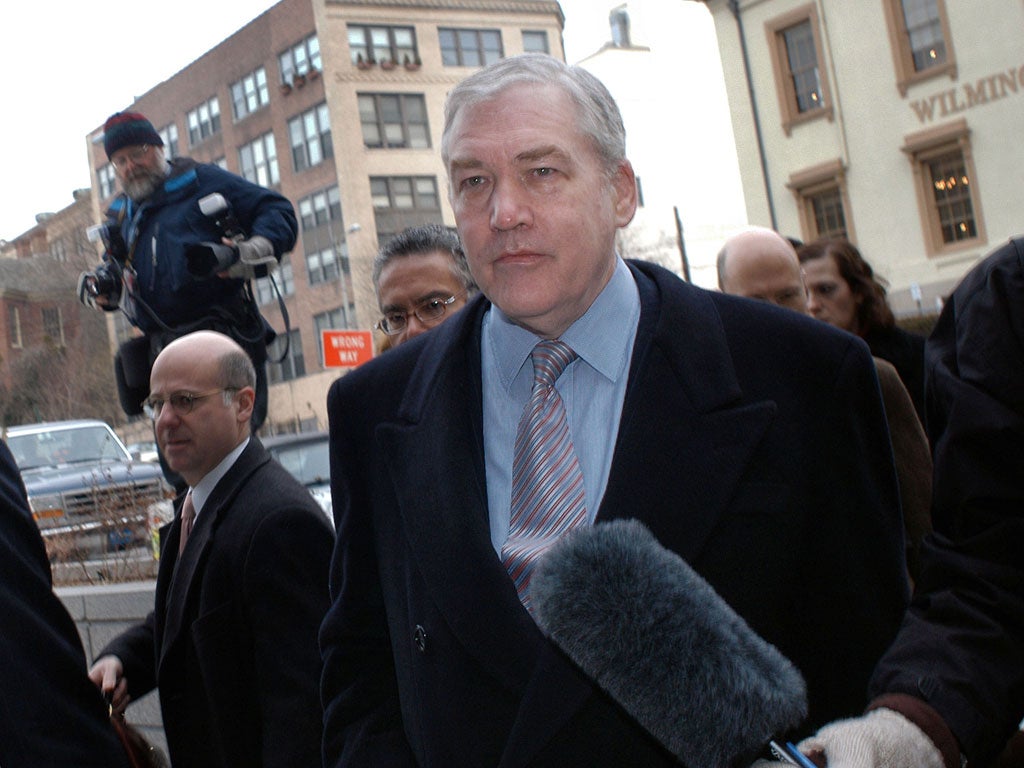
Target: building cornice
column 514, row 6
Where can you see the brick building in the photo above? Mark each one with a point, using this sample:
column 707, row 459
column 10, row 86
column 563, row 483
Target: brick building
column 47, row 337
column 338, row 105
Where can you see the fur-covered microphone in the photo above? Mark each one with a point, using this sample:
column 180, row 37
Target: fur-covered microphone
column 655, row 636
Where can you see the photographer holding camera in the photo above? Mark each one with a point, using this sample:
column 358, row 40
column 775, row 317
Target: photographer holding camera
column 183, row 240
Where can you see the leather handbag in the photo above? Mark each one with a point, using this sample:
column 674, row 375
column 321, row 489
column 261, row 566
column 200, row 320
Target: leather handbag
column 141, row 754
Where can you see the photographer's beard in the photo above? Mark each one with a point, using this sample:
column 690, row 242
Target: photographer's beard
column 142, row 183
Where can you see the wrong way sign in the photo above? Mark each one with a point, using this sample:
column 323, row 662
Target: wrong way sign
column 346, row 349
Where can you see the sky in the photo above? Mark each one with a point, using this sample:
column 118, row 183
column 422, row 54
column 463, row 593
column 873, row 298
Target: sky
column 68, row 65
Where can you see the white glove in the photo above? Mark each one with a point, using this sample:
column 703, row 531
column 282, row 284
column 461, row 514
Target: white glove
column 255, row 252
column 883, row 738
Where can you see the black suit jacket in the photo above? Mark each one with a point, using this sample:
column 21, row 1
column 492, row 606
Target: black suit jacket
column 51, row 715
column 232, row 641
column 752, row 442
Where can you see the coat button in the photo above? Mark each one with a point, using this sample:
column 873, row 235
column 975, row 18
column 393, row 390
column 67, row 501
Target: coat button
column 420, row 638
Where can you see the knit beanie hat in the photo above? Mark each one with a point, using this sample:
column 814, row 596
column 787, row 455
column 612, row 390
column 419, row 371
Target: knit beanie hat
column 125, row 129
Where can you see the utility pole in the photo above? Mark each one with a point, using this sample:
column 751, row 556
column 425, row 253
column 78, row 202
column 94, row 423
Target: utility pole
column 682, row 244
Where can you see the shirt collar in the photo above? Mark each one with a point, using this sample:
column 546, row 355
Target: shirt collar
column 202, row 490
column 602, row 337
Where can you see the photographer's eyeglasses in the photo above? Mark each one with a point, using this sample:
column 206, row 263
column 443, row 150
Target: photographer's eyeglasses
column 135, row 156
column 181, row 403
column 427, row 312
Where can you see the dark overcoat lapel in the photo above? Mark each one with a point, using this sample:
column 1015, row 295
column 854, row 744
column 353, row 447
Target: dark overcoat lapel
column 183, row 574
column 684, row 399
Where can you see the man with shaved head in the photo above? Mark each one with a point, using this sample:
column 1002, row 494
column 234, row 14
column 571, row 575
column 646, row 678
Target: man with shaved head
column 760, row 263
column 232, row 642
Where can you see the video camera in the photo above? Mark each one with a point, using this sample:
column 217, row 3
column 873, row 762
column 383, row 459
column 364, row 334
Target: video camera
column 105, row 281
column 206, row 259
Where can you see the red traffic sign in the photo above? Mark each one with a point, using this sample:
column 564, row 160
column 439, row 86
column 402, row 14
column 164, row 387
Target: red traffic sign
column 346, row 349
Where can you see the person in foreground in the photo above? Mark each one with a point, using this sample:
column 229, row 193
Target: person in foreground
column 952, row 685
column 670, row 404
column 421, row 279
column 232, row 641
column 50, row 715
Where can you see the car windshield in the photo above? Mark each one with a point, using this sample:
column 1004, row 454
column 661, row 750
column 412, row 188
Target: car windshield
column 52, row 448
column 309, row 463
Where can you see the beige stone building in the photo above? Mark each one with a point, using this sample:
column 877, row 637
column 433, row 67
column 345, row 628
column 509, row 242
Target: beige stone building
column 892, row 122
column 338, row 105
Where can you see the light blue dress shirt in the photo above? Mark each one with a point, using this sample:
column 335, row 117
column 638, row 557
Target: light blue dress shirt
column 592, row 387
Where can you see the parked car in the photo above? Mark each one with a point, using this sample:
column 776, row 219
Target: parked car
column 307, row 457
column 88, row 496
column 144, row 451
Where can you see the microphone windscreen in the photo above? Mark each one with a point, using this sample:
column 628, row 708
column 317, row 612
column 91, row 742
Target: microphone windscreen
column 655, row 636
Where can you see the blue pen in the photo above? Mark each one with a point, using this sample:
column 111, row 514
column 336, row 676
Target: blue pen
column 788, row 753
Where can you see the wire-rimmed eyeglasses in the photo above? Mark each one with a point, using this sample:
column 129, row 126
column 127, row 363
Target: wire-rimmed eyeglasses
column 427, row 312
column 181, row 403
column 135, row 156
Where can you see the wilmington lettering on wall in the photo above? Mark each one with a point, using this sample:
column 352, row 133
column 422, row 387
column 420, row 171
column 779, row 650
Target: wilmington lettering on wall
column 982, row 91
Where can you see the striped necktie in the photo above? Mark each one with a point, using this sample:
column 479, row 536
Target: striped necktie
column 547, row 484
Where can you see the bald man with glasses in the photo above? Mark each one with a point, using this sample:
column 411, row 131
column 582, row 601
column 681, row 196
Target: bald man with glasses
column 232, row 641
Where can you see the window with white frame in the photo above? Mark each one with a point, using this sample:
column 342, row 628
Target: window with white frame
column 169, row 134
column 379, row 43
column 332, row 320
column 14, row 327
column 300, row 59
column 282, row 277
column 322, row 265
column 535, row 41
column 394, row 120
column 53, row 325
column 310, row 137
column 470, row 47
column 257, row 161
column 323, row 236
column 58, row 249
column 250, row 94
column 319, row 209
column 106, row 179
column 404, row 201
column 204, row 121
column 293, row 366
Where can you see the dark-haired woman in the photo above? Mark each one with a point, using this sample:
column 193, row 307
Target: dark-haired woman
column 843, row 291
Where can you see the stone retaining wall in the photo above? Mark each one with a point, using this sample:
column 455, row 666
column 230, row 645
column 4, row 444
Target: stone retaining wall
column 103, row 612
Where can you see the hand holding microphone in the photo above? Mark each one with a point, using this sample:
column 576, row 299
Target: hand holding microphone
column 660, row 641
